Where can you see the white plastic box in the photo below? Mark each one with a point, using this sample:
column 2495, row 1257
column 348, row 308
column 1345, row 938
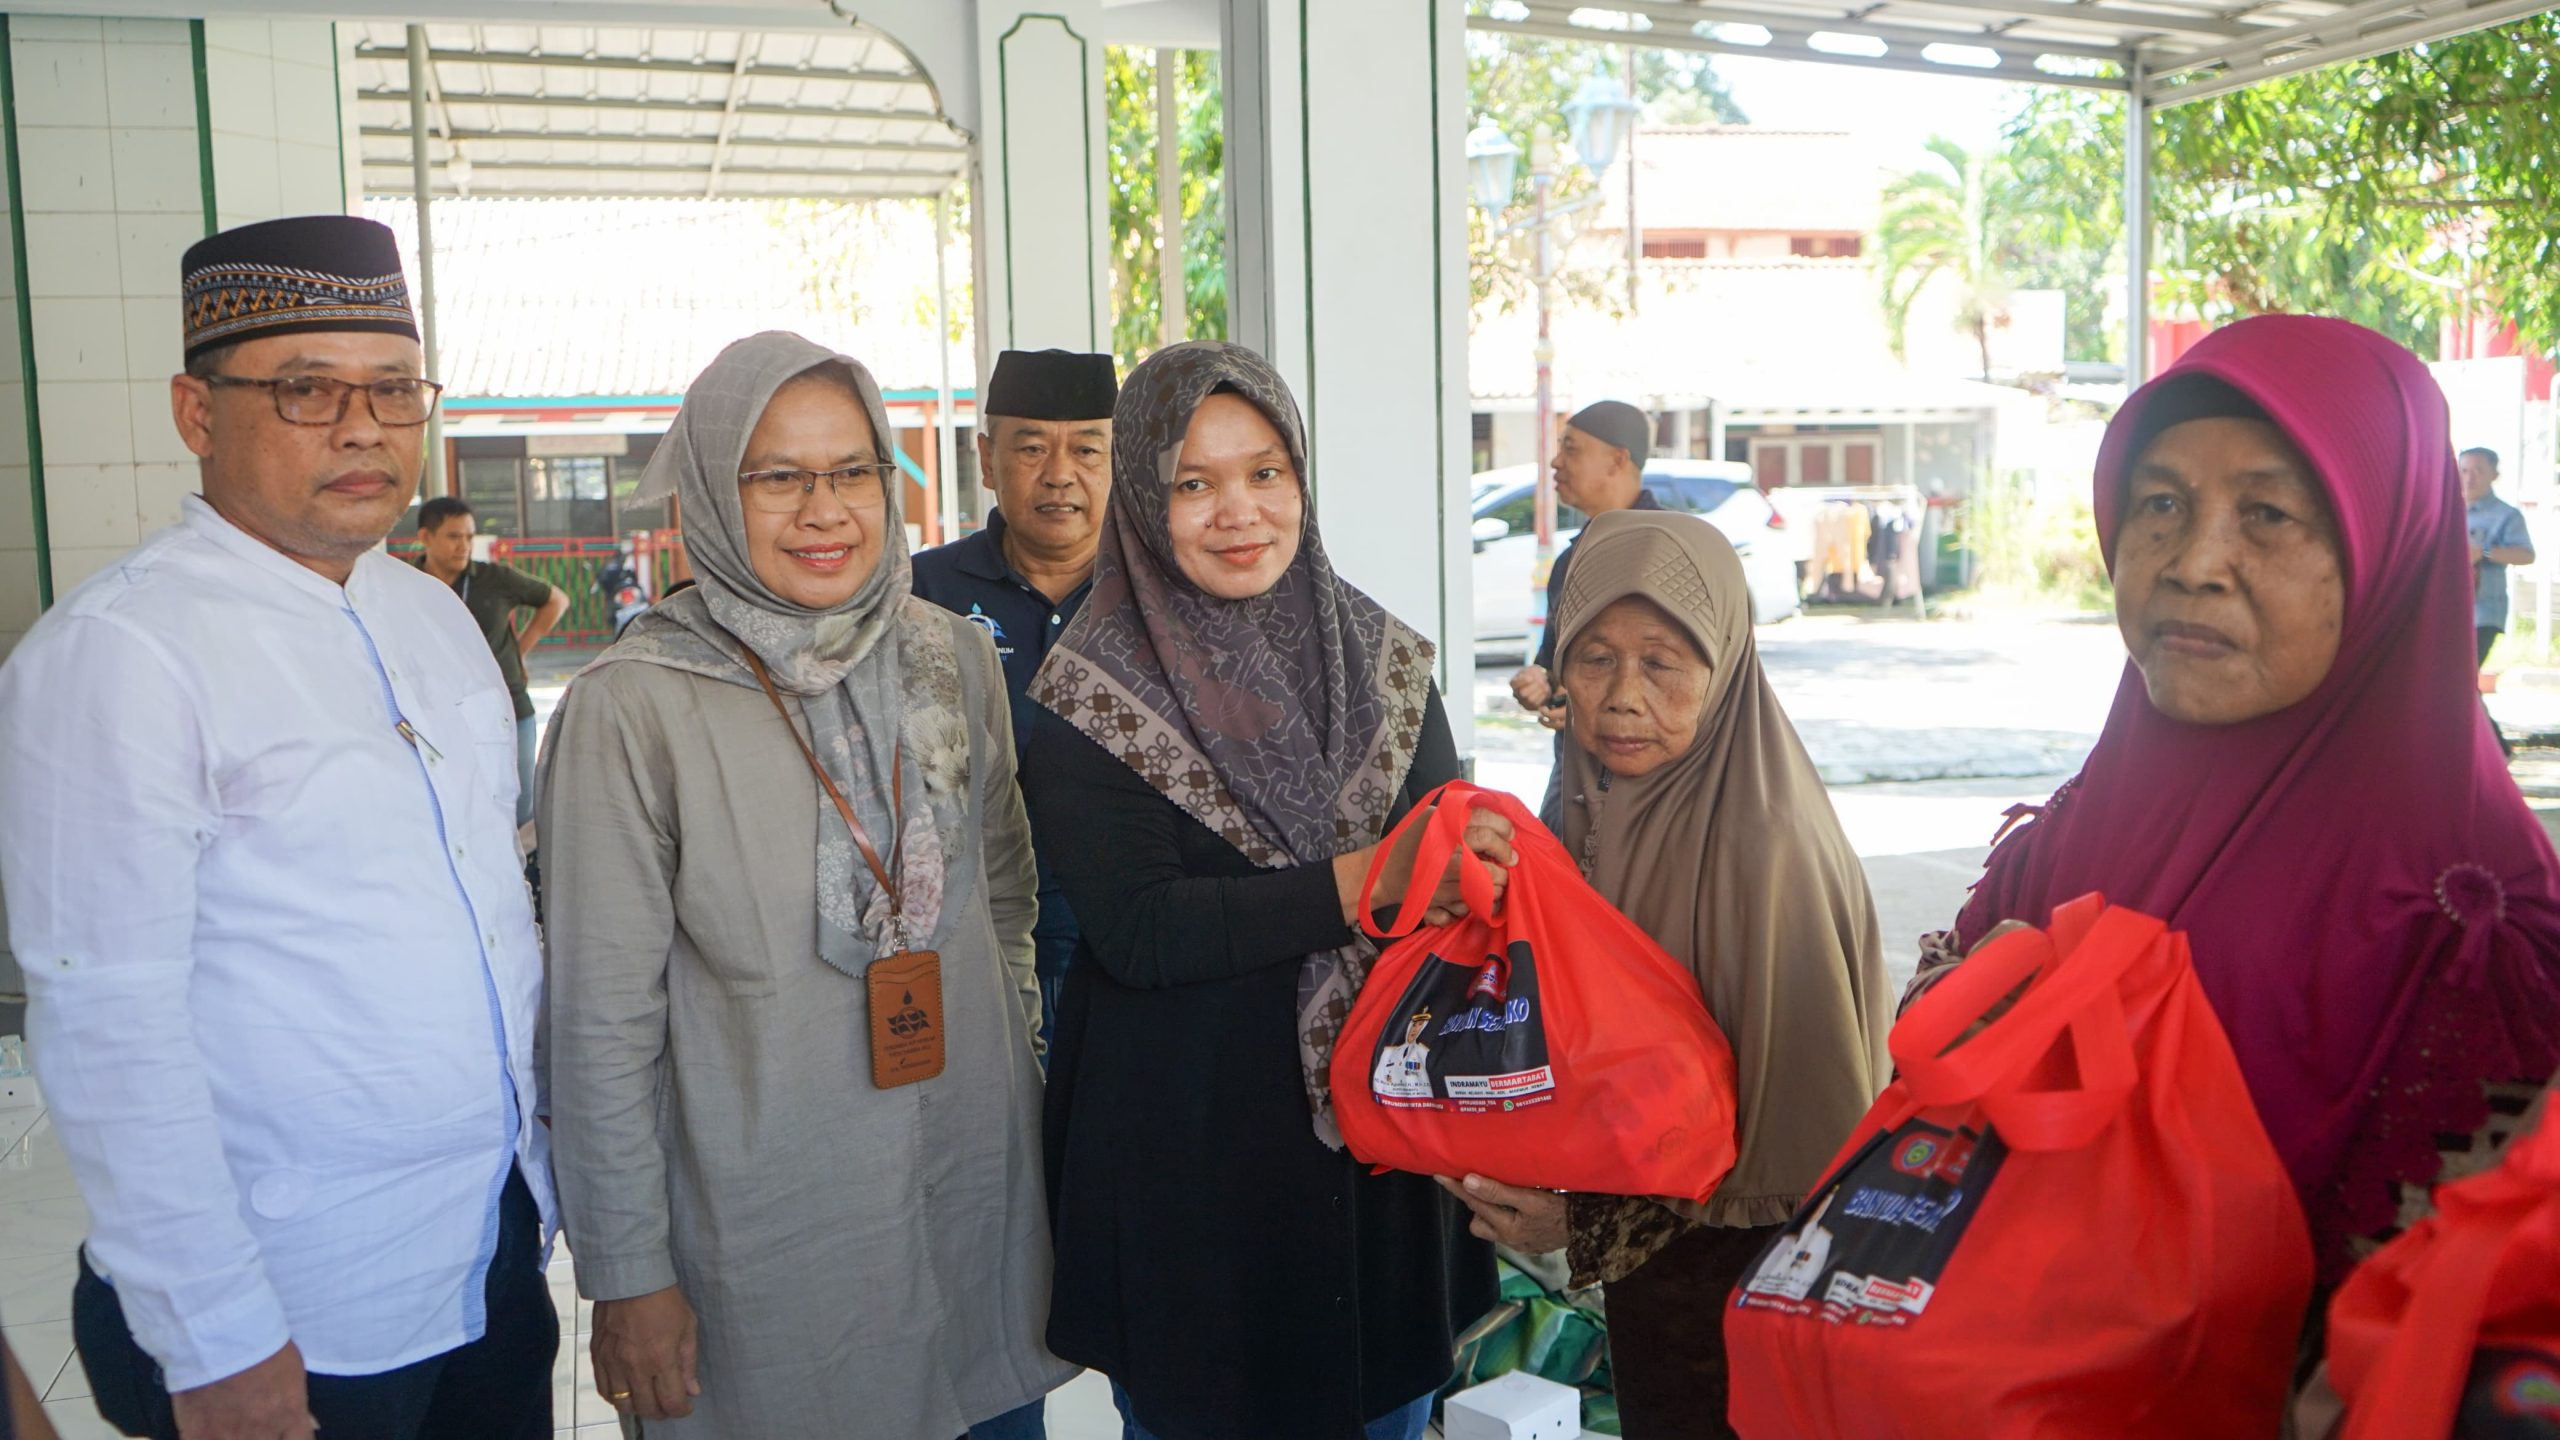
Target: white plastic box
column 1514, row 1407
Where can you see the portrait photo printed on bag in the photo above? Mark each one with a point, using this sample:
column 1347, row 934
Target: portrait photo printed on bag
column 1467, row 1039
column 1869, row 1247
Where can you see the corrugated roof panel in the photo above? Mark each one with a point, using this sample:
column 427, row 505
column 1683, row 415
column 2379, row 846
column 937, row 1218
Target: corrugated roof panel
column 556, row 109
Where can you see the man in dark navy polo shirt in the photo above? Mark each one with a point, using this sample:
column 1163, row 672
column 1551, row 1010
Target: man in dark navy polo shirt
column 1044, row 448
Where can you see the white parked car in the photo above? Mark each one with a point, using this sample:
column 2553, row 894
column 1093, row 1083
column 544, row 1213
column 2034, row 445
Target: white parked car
column 1719, row 491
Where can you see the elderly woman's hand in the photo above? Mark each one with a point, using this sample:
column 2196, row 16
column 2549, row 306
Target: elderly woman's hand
column 1531, row 1222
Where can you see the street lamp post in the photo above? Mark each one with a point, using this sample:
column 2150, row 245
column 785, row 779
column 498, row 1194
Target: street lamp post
column 1599, row 119
column 1542, row 178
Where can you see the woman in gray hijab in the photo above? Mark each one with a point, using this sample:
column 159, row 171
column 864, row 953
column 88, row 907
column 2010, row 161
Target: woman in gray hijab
column 1232, row 730
column 789, row 893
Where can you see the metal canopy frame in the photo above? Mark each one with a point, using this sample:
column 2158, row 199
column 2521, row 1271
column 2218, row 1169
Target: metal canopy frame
column 580, row 111
column 576, row 110
column 2156, row 53
column 2168, row 51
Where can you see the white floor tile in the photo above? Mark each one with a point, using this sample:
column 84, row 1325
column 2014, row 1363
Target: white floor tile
column 72, row 1383
column 591, row 1406
column 564, row 1384
column 37, row 1289
column 42, row 1350
column 35, row 1168
column 79, row 1420
column 17, row 1120
column 42, row 1227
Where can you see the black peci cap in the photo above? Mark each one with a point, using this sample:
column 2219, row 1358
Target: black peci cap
column 284, row 277
column 1618, row 423
column 1051, row 385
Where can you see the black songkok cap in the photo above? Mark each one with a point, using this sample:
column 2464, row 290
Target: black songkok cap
column 293, row 276
column 1051, row 385
column 1619, row 424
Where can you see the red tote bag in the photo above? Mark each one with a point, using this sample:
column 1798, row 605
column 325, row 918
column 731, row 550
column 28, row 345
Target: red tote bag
column 2453, row 1329
column 2067, row 1224
column 1547, row 1042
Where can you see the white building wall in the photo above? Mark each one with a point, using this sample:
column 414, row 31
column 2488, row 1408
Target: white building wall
column 1371, row 336
column 106, row 133
column 272, row 94
column 1041, row 198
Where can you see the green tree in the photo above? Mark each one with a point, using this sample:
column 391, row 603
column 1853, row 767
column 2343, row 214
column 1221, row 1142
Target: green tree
column 2065, row 143
column 2398, row 191
column 1679, row 87
column 1129, row 78
column 1938, row 229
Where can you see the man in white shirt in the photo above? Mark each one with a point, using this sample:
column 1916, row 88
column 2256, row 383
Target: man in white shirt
column 257, row 793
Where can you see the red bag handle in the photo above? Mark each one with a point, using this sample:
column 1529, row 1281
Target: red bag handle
column 1447, row 810
column 2415, row 1386
column 2102, row 945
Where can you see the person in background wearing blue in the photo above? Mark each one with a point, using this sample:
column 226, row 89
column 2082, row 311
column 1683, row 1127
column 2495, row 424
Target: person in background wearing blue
column 1044, row 449
column 2498, row 539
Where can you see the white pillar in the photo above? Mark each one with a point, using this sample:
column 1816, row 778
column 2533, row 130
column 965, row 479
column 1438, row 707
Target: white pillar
column 422, row 185
column 1173, row 299
column 1347, row 267
column 946, row 460
column 2137, row 225
column 1040, row 203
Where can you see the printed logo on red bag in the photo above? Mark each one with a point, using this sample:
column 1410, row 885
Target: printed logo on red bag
column 1869, row 1248
column 1466, row 1038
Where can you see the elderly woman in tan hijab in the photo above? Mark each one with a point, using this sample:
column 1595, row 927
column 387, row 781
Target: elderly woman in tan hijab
column 1693, row 808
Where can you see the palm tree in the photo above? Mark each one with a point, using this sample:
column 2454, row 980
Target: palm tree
column 1937, row 222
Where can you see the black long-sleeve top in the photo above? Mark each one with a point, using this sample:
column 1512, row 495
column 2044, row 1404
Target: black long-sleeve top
column 1238, row 1278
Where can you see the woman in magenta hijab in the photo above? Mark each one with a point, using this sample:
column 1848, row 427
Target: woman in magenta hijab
column 2297, row 770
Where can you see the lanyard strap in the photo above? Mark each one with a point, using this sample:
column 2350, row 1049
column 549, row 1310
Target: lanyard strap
column 861, row 838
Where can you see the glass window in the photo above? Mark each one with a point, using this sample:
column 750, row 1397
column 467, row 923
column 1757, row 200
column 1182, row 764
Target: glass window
column 1700, row 495
column 1944, row 459
column 497, row 503
column 567, row 495
column 630, row 514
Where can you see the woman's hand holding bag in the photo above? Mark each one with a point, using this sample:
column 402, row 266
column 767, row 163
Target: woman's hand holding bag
column 1484, row 837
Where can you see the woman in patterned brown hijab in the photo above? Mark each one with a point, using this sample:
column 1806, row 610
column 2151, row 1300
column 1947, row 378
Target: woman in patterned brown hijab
column 1236, row 727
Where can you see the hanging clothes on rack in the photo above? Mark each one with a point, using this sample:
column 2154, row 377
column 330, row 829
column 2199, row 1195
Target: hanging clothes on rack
column 1842, row 530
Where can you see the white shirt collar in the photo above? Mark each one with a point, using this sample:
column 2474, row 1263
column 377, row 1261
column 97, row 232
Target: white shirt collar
column 200, row 517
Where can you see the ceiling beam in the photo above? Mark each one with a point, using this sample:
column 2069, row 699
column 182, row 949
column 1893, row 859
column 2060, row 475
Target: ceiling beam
column 2342, row 28
column 702, row 107
column 729, row 112
column 712, row 70
column 1969, row 31
column 2240, row 76
column 927, row 183
column 580, row 137
column 2115, row 22
column 688, row 184
column 1786, row 47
